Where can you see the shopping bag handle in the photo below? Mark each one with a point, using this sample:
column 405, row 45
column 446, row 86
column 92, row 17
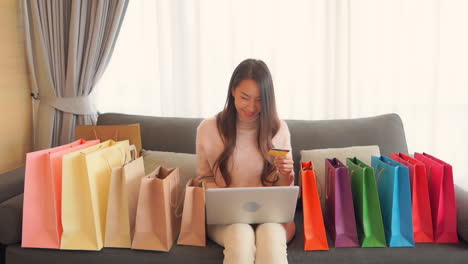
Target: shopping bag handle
column 380, row 173
column 133, row 151
column 121, row 155
column 115, row 138
column 174, row 202
column 429, row 173
column 327, row 183
column 198, row 181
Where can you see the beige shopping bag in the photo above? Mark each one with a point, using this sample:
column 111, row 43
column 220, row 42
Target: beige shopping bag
column 122, row 203
column 157, row 224
column 112, row 132
column 85, row 189
column 193, row 228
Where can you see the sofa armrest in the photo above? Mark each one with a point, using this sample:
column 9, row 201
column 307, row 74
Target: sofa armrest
column 11, row 184
column 11, row 220
column 462, row 212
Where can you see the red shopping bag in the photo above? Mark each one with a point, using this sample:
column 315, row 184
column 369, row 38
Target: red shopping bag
column 315, row 237
column 421, row 207
column 442, row 197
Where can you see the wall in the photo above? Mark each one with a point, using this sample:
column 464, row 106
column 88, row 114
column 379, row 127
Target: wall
column 15, row 100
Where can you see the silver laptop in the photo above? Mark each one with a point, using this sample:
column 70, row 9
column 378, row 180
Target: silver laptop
column 251, row 205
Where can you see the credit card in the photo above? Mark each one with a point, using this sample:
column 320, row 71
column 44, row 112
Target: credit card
column 278, row 152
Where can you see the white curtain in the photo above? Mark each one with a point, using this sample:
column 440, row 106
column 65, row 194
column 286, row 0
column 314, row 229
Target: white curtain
column 329, row 59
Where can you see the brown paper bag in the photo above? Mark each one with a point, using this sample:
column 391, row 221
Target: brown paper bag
column 192, row 230
column 122, row 203
column 157, row 225
column 114, row 132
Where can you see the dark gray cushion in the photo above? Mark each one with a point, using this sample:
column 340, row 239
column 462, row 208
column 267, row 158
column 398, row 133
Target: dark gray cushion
column 170, row 134
column 2, row 254
column 11, row 215
column 386, row 131
column 11, row 184
column 212, row 253
column 178, row 134
column 422, row 253
column 462, row 212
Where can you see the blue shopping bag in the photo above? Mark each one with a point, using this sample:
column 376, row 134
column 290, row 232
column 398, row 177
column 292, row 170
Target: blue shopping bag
column 393, row 186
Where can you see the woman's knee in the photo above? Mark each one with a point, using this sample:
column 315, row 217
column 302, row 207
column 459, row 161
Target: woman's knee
column 239, row 244
column 271, row 232
column 271, row 244
column 240, row 234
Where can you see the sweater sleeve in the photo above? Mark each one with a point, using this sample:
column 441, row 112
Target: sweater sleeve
column 203, row 166
column 282, row 140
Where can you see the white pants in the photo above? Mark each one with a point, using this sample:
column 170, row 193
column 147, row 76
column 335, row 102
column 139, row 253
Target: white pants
column 244, row 245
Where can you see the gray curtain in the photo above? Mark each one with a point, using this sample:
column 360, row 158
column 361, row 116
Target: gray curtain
column 68, row 44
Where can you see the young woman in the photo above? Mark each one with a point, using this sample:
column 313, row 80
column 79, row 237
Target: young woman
column 232, row 147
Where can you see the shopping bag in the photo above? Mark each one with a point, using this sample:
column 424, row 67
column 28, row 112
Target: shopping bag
column 193, row 229
column 339, row 209
column 315, row 237
column 122, row 202
column 111, row 132
column 421, row 207
column 393, row 186
column 157, row 223
column 366, row 204
column 42, row 225
column 85, row 189
column 193, row 225
column 442, row 196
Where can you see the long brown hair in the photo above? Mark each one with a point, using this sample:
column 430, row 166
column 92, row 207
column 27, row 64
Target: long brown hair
column 268, row 121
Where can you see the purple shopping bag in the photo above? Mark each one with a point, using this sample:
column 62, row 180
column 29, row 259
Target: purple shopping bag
column 339, row 208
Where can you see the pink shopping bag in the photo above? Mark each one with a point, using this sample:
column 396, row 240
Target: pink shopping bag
column 42, row 225
column 442, row 197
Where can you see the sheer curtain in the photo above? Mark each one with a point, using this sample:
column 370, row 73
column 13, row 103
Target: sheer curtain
column 329, row 59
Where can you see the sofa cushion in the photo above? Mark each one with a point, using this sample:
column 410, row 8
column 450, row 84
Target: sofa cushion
column 11, row 184
column 211, row 254
column 11, row 219
column 318, row 156
column 423, row 253
column 178, row 134
column 2, row 253
column 159, row 133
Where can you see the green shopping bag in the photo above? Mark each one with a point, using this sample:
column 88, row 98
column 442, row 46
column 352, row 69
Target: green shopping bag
column 366, row 204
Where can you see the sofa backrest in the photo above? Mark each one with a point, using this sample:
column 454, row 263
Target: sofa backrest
column 178, row 134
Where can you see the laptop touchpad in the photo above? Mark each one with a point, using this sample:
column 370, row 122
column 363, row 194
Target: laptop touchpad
column 251, row 207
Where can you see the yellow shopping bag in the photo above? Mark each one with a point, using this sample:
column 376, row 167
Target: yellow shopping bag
column 85, row 188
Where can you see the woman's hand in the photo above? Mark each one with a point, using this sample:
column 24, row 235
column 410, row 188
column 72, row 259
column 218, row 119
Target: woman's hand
column 284, row 164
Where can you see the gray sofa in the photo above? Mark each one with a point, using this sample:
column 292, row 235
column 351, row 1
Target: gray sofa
column 178, row 135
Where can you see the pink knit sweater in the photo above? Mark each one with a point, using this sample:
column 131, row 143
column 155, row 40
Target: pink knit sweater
column 246, row 163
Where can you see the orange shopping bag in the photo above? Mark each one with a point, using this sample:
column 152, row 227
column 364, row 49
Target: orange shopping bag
column 42, row 225
column 315, row 237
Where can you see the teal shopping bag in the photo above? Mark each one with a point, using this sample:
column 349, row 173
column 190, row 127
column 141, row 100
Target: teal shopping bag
column 394, row 189
column 366, row 204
